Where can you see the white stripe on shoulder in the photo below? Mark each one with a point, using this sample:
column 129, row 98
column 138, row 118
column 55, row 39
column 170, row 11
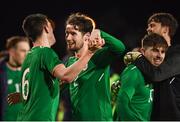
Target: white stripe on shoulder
column 133, row 67
column 172, row 80
column 101, row 77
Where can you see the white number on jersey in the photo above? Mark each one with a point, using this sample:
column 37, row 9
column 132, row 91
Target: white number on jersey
column 17, row 87
column 151, row 95
column 25, row 85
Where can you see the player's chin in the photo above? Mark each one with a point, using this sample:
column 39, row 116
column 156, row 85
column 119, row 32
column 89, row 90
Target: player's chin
column 157, row 63
column 72, row 49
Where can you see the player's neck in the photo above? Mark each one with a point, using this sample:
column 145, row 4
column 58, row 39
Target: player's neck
column 41, row 41
column 78, row 53
column 13, row 66
column 168, row 40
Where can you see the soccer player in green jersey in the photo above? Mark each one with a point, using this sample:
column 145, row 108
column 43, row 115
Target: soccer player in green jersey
column 90, row 91
column 42, row 68
column 17, row 48
column 134, row 100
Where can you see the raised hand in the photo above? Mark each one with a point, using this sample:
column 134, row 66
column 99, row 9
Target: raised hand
column 95, row 40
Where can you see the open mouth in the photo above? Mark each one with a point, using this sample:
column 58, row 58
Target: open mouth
column 70, row 44
column 158, row 61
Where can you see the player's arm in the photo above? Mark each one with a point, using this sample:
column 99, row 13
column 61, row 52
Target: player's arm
column 112, row 49
column 129, row 81
column 70, row 73
column 166, row 70
column 51, row 62
column 114, row 45
column 125, row 113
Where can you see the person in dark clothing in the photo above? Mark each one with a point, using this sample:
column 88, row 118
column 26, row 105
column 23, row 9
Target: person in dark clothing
column 166, row 77
column 10, row 65
column 3, row 84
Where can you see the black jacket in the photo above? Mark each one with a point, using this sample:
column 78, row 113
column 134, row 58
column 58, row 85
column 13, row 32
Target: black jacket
column 166, row 82
column 3, row 86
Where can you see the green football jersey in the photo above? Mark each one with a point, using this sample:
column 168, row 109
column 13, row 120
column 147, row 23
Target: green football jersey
column 134, row 101
column 39, row 89
column 13, row 82
column 90, row 91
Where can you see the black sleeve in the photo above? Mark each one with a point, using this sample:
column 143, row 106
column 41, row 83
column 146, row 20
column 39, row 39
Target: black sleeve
column 170, row 67
column 3, row 88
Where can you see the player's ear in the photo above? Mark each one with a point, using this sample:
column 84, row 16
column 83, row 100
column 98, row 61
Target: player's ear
column 165, row 30
column 46, row 29
column 11, row 51
column 142, row 50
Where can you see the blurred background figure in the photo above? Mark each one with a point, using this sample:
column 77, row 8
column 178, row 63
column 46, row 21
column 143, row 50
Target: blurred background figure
column 3, row 55
column 10, row 66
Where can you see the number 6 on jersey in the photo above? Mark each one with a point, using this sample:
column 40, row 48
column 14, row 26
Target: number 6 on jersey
column 25, row 85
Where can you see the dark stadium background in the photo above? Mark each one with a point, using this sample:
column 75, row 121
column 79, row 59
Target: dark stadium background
column 124, row 19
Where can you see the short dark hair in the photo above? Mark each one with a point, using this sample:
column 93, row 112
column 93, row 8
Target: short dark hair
column 81, row 22
column 154, row 40
column 33, row 25
column 14, row 40
column 166, row 19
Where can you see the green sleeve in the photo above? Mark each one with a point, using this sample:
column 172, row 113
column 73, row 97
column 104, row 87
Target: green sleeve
column 50, row 59
column 112, row 50
column 129, row 81
column 114, row 45
column 124, row 112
